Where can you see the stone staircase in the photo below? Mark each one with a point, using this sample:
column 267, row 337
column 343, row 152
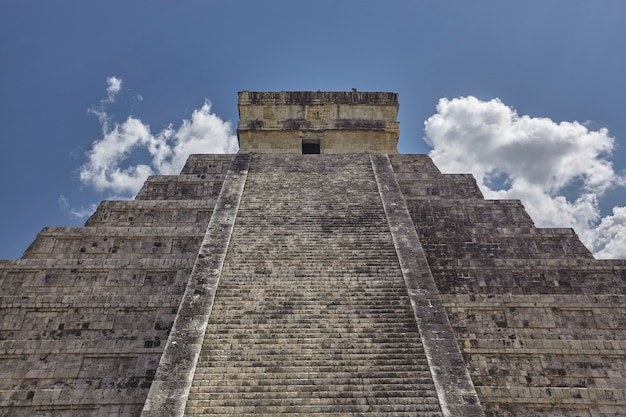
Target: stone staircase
column 311, row 316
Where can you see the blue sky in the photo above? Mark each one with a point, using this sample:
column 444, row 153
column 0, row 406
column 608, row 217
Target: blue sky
column 526, row 95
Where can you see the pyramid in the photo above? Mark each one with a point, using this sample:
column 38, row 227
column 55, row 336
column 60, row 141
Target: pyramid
column 315, row 273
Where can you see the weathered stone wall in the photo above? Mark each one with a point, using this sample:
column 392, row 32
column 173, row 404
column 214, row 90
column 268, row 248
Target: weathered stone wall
column 541, row 323
column 330, row 141
column 340, row 122
column 87, row 311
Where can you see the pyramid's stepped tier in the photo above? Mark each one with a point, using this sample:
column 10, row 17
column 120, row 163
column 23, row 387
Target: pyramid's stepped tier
column 152, row 213
column 87, row 311
column 115, row 242
column 201, row 179
column 420, row 178
column 175, row 187
column 540, row 322
column 468, row 213
column 493, row 227
column 200, row 164
column 312, row 316
column 534, row 276
column 503, row 243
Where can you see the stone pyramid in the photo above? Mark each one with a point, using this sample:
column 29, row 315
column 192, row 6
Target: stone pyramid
column 315, row 273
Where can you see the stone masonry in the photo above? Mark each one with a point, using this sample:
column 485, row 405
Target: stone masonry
column 541, row 323
column 335, row 122
column 348, row 283
column 86, row 311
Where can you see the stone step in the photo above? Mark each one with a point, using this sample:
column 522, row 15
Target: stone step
column 181, row 187
column 356, row 408
column 54, row 288
column 116, row 299
column 140, row 213
column 319, row 393
column 249, row 353
column 324, row 348
column 468, row 213
column 356, row 308
column 267, row 271
column 96, row 264
column 413, row 165
column 404, row 403
column 113, row 231
column 314, row 296
column 443, row 186
column 305, row 326
column 340, row 320
column 70, row 377
column 198, row 164
column 68, row 399
column 92, row 347
column 340, row 414
column 295, row 372
column 419, row 177
column 313, row 266
column 91, row 242
column 313, row 342
column 607, row 401
column 479, row 233
column 268, row 380
column 533, row 281
column 305, row 320
column 345, row 316
column 503, row 248
column 532, row 263
column 345, row 397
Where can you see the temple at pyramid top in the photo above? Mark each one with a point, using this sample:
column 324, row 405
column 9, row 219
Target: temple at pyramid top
column 318, row 122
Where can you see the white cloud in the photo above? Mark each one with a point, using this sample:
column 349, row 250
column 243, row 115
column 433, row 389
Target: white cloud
column 114, row 86
column 558, row 170
column 114, row 159
column 610, row 238
column 79, row 213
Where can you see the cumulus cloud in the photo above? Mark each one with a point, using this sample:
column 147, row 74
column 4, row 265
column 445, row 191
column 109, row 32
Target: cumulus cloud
column 558, row 170
column 114, row 161
column 610, row 236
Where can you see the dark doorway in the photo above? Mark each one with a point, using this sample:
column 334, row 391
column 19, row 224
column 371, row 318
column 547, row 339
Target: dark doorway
column 311, row 147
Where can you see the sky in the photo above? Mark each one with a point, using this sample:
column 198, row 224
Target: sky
column 527, row 96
